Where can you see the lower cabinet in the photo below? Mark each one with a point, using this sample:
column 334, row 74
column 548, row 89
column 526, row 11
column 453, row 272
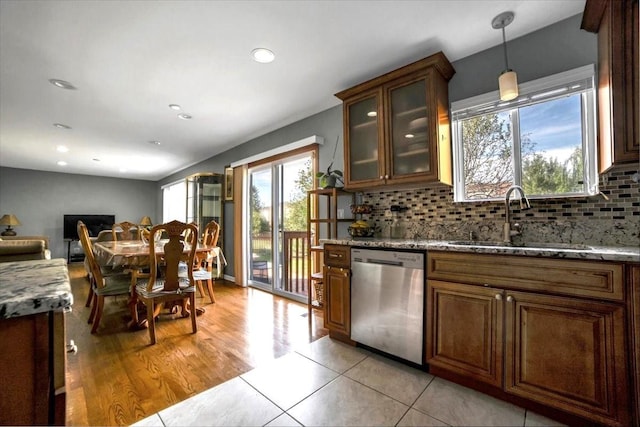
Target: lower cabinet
column 33, row 357
column 465, row 334
column 567, row 353
column 558, row 351
column 338, row 300
column 337, row 291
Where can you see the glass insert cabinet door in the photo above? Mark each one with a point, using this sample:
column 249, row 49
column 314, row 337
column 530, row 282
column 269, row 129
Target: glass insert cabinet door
column 364, row 152
column 409, row 130
column 204, row 200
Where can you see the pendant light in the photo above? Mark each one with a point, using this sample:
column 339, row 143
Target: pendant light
column 508, row 81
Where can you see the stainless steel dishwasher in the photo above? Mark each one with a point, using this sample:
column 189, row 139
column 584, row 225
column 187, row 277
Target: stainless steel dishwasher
column 387, row 301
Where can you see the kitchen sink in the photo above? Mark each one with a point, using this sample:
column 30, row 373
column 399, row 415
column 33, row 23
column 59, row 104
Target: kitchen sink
column 545, row 245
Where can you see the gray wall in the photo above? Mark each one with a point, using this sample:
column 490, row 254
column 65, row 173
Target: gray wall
column 40, row 199
column 558, row 47
column 550, row 50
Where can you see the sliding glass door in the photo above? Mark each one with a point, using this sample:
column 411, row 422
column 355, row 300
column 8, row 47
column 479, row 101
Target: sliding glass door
column 277, row 215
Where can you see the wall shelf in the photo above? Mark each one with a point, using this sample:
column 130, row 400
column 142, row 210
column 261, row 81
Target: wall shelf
column 322, row 223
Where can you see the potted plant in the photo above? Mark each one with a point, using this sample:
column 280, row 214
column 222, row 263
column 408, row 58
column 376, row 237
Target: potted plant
column 331, row 177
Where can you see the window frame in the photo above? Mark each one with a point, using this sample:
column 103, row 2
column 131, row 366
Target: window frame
column 533, row 92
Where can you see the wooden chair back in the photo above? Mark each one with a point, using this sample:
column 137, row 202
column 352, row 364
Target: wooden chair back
column 211, row 234
column 125, row 230
column 169, row 264
column 190, row 236
column 87, row 246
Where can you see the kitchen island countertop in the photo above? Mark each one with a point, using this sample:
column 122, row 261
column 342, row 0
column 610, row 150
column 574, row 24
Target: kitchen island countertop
column 31, row 287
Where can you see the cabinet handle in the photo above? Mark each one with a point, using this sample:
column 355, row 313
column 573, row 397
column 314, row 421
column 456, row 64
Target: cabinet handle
column 498, row 297
column 381, row 177
column 386, row 177
column 510, row 298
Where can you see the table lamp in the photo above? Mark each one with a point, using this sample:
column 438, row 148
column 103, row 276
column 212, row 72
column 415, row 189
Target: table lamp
column 9, row 220
column 146, row 222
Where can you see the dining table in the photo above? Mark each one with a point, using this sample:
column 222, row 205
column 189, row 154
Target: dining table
column 135, row 255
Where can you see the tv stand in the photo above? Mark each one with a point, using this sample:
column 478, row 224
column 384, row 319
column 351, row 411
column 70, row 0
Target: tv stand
column 73, row 257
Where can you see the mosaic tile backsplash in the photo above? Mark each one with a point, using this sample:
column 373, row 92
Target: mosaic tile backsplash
column 432, row 214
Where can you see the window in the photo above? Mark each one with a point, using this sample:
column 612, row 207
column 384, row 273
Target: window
column 174, row 202
column 544, row 140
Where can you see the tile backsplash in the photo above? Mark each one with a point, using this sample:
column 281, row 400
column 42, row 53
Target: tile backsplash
column 432, row 214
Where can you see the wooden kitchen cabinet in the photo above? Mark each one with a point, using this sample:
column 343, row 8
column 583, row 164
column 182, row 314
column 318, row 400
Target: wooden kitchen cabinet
column 337, row 288
column 33, row 356
column 551, row 332
column 616, row 23
column 567, row 353
column 396, row 127
column 464, row 334
column 633, row 316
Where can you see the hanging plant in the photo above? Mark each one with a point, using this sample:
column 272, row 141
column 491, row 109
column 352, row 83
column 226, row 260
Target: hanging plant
column 331, row 177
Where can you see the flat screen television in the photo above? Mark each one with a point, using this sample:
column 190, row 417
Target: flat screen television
column 95, row 224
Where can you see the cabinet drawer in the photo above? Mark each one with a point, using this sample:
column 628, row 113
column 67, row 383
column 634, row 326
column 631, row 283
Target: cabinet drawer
column 592, row 279
column 337, row 256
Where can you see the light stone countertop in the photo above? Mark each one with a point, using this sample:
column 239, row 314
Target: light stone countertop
column 31, row 287
column 546, row 250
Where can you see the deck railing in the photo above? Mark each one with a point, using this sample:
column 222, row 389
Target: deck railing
column 295, row 259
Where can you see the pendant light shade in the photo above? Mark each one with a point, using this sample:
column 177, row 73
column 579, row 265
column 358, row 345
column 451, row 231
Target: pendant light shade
column 508, row 80
column 508, row 83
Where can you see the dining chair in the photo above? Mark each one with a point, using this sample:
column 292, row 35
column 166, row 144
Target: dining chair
column 203, row 265
column 166, row 281
column 103, row 236
column 125, row 230
column 102, row 285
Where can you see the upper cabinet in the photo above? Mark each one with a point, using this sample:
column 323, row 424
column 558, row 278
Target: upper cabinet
column 616, row 22
column 396, row 127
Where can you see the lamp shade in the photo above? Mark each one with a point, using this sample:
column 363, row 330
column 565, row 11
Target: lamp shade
column 146, row 221
column 9, row 220
column 508, row 83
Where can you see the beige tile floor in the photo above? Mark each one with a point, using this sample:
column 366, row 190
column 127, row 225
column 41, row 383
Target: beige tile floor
column 327, row 383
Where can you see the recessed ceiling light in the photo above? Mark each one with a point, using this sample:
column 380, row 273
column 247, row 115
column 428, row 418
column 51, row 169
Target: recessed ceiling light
column 185, row 116
column 62, row 163
column 372, row 113
column 62, row 84
column 263, row 55
column 123, row 170
column 61, row 126
column 175, row 107
column 61, row 149
column 155, row 142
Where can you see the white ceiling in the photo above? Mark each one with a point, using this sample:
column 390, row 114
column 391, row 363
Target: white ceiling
column 130, row 59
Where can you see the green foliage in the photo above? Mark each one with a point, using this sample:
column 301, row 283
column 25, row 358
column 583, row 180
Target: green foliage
column 295, row 215
column 330, row 178
column 259, row 223
column 549, row 176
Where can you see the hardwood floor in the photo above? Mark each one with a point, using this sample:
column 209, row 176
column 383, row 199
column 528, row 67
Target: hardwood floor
column 117, row 378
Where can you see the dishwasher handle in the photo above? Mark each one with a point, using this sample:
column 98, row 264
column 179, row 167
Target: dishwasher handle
column 380, row 262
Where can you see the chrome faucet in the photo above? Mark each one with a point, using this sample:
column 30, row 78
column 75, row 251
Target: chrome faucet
column 524, row 205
